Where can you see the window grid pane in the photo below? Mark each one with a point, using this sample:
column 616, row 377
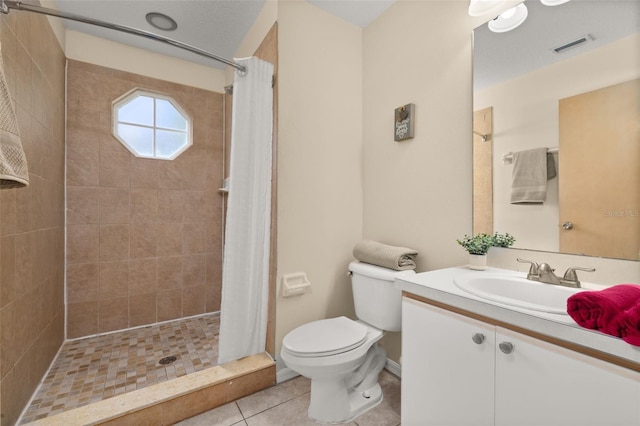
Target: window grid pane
column 151, row 127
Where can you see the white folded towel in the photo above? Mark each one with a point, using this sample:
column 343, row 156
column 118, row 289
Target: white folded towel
column 391, row 257
column 529, row 177
column 13, row 162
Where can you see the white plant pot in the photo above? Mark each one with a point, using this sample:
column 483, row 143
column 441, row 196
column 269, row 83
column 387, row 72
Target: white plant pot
column 478, row 262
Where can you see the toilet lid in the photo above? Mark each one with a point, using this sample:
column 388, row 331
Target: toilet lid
column 325, row 337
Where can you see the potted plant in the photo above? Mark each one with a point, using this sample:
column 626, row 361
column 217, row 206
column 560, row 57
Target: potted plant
column 503, row 240
column 478, row 246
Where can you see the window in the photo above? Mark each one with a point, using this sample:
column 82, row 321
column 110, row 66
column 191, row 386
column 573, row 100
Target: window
column 151, row 125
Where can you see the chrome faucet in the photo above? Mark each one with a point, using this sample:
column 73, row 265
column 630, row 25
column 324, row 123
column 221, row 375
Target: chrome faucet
column 544, row 273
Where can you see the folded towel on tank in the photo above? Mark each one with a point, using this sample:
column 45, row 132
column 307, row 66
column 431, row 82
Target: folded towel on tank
column 614, row 311
column 392, row 257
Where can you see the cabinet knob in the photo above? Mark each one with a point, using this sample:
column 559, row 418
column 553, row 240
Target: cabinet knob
column 477, row 338
column 506, row 347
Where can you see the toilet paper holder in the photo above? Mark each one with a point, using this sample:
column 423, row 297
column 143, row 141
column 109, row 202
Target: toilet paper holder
column 295, row 284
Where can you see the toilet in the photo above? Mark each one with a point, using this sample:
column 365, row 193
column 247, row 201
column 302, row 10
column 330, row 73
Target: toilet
column 341, row 356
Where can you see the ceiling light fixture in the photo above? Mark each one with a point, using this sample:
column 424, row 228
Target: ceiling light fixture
column 553, row 2
column 161, row 21
column 483, row 7
column 509, row 19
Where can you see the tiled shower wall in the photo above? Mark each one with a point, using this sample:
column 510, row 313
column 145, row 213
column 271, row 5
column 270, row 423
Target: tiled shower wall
column 144, row 236
column 32, row 218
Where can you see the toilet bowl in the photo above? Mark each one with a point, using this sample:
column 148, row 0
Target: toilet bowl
column 340, row 355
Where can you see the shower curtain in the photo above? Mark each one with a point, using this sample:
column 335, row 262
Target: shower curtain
column 245, row 270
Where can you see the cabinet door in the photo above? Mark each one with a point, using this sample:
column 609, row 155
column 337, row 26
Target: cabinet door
column 447, row 378
column 542, row 384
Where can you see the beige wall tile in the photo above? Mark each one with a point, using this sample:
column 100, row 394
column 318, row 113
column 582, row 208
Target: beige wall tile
column 170, row 206
column 114, row 205
column 114, row 242
column 8, row 211
column 193, row 237
column 142, row 240
column 193, row 302
column 144, row 173
column 114, row 279
column 114, row 169
column 83, row 243
column 142, row 309
column 8, row 290
column 169, row 272
column 194, row 270
column 83, row 166
column 170, row 239
column 143, row 206
column 150, row 212
column 169, row 304
column 113, row 314
column 142, row 276
column 83, row 205
column 32, row 219
column 82, row 282
column 82, row 319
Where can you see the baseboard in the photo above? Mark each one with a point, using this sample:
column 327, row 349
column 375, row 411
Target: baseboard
column 284, row 374
column 393, row 368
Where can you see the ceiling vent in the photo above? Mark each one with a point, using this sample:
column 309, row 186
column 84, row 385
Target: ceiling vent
column 580, row 41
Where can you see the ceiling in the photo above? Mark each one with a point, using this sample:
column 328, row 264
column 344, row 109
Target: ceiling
column 217, row 26
column 502, row 56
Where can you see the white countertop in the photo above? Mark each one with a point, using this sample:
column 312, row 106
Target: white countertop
column 439, row 286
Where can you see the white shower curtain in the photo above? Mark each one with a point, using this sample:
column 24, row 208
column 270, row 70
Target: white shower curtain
column 245, row 273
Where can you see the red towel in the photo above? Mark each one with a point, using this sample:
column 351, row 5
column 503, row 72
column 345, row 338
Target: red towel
column 614, row 310
column 631, row 332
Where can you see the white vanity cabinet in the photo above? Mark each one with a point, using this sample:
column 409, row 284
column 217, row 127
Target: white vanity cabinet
column 461, row 371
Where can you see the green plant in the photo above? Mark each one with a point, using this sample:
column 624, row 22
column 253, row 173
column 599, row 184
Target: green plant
column 503, row 240
column 481, row 243
column 477, row 244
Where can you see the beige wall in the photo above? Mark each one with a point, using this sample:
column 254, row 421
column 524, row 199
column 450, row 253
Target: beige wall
column 319, row 160
column 144, row 236
column 94, row 50
column 518, row 103
column 32, row 218
column 417, row 193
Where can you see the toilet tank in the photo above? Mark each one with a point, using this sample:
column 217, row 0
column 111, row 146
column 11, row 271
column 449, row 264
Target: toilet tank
column 377, row 301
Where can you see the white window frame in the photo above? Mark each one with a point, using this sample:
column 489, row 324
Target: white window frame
column 134, row 93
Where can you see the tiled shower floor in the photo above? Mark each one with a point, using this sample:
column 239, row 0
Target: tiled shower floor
column 96, row 368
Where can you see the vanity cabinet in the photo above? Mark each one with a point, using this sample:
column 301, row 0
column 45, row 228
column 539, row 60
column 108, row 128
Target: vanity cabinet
column 457, row 370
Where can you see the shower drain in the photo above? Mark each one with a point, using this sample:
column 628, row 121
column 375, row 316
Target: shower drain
column 167, row 360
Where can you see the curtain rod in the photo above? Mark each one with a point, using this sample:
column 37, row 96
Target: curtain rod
column 6, row 5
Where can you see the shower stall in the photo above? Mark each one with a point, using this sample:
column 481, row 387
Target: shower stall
column 144, row 243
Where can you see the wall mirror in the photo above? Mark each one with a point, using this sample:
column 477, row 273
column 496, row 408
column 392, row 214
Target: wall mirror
column 567, row 79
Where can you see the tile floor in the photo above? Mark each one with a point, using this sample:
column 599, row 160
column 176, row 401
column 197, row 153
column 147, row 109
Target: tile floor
column 287, row 403
column 96, row 368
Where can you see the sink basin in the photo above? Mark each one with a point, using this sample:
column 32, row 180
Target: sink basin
column 517, row 291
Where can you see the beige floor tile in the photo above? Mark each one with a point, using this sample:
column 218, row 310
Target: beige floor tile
column 387, row 413
column 225, row 415
column 263, row 400
column 290, row 413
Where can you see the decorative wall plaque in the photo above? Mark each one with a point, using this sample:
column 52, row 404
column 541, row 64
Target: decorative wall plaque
column 404, row 122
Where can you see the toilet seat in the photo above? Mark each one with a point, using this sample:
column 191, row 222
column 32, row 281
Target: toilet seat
column 325, row 337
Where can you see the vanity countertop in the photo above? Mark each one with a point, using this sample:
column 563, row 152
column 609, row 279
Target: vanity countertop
column 439, row 286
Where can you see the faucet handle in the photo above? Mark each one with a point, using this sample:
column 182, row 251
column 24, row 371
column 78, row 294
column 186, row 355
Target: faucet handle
column 571, row 275
column 533, row 270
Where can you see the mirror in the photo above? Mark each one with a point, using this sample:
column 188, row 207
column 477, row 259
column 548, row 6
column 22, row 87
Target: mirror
column 523, row 89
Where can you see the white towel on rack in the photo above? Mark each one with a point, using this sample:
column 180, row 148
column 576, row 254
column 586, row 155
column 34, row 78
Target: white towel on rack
column 529, row 177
